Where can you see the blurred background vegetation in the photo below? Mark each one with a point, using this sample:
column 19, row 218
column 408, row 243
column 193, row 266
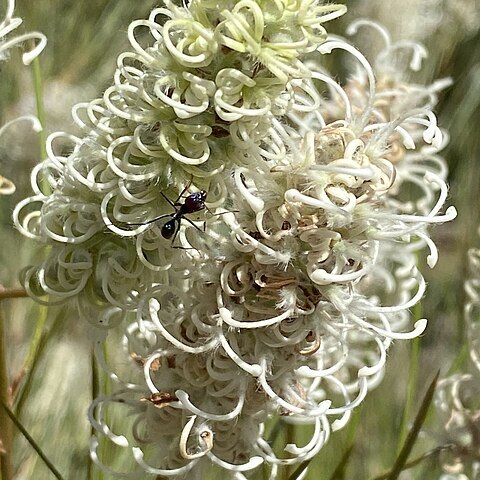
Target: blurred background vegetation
column 84, row 39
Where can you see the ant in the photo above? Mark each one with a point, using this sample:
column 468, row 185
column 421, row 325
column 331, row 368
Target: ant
column 194, row 202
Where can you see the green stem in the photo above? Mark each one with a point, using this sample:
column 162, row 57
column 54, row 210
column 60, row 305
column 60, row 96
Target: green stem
column 414, row 431
column 102, row 389
column 37, row 344
column 411, row 388
column 31, row 441
column 37, row 338
column 6, row 434
column 340, row 471
column 38, row 334
column 38, row 87
column 413, row 463
column 412, row 380
column 289, row 439
column 95, row 393
column 460, row 360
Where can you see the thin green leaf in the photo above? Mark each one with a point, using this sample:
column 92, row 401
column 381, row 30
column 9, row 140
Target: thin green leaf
column 289, row 431
column 299, row 470
column 95, row 394
column 40, row 340
column 277, row 428
column 32, row 442
column 414, row 431
column 460, row 360
column 6, row 437
column 425, row 456
column 42, row 136
column 339, row 472
column 414, row 359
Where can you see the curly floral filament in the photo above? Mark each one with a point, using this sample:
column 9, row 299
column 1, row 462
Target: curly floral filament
column 319, row 438
column 280, row 296
column 457, row 416
column 472, row 288
column 11, row 23
column 7, row 187
column 8, row 25
column 204, row 439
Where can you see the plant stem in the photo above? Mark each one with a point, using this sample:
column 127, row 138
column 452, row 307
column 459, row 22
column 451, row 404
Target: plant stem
column 37, row 338
column 95, row 393
column 412, row 380
column 414, row 431
column 411, row 388
column 38, row 334
column 12, row 293
column 31, row 441
column 38, row 87
column 340, row 471
column 289, row 430
column 413, row 463
column 6, row 434
column 37, row 345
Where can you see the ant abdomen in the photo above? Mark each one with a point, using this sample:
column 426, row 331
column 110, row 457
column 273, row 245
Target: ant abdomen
column 168, row 229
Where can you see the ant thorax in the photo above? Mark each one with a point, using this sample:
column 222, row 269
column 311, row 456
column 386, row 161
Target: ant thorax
column 194, row 202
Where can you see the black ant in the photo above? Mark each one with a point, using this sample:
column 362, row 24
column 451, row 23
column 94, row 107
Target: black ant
column 195, row 202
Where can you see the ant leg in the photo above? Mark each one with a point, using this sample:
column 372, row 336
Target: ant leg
column 183, row 248
column 176, row 233
column 177, row 229
column 183, row 191
column 208, row 210
column 216, row 215
column 205, row 223
column 169, row 201
column 152, row 220
column 191, row 223
column 221, row 213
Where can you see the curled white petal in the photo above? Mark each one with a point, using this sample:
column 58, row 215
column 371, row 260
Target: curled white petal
column 183, row 397
column 252, row 463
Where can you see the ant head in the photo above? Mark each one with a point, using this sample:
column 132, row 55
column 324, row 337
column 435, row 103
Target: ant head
column 168, row 229
column 195, row 201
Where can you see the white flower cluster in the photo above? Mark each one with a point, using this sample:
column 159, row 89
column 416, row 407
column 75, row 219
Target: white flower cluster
column 472, row 307
column 427, row 20
column 458, row 413
column 9, row 24
column 457, row 398
column 257, row 221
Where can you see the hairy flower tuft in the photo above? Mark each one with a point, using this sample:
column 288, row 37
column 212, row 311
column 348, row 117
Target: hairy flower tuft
column 252, row 222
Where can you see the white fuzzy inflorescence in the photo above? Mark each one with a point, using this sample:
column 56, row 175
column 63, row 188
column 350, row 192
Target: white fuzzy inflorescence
column 280, row 295
column 457, row 410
